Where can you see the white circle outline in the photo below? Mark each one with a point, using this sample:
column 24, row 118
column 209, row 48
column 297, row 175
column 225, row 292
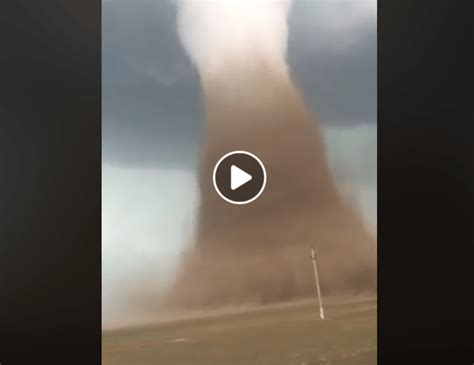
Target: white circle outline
column 245, row 201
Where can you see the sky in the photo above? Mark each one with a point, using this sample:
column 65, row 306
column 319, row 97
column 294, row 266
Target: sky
column 152, row 122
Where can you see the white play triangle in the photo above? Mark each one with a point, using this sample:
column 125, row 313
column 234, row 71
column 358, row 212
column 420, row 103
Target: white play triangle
column 238, row 177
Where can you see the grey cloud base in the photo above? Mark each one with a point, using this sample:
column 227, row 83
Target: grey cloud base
column 151, row 96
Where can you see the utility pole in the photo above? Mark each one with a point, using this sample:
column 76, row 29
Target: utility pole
column 313, row 258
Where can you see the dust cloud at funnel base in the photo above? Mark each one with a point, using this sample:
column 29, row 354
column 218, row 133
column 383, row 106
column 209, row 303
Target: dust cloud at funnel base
column 259, row 252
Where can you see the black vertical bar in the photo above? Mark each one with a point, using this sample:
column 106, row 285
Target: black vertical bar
column 50, row 200
column 426, row 185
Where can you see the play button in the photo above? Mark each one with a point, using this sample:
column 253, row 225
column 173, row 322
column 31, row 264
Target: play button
column 239, row 177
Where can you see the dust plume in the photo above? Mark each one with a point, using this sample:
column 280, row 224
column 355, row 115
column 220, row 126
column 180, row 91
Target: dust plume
column 259, row 252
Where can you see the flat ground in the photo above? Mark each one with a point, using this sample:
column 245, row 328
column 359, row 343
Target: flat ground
column 289, row 335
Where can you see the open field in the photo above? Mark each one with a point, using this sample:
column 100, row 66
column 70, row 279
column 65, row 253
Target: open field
column 289, row 335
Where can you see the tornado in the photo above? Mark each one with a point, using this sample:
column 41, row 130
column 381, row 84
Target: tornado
column 259, row 252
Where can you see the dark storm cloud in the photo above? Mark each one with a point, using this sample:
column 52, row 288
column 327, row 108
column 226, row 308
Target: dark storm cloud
column 335, row 69
column 150, row 92
column 151, row 102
